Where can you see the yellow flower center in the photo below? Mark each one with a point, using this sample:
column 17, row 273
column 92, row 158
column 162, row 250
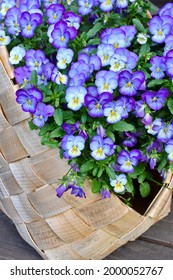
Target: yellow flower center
column 105, row 57
column 100, row 151
column 62, row 38
column 64, row 61
column 98, row 106
column 87, row 5
column 75, row 100
column 157, row 69
column 154, row 98
column 108, row 2
column 128, row 163
column 106, row 86
column 16, row 57
column 43, row 77
column 160, row 32
column 118, row 185
column 113, row 114
column 28, row 27
column 2, row 39
column 54, row 16
column 128, row 84
column 116, row 45
column 74, row 149
column 40, row 117
column 29, row 102
column 36, row 64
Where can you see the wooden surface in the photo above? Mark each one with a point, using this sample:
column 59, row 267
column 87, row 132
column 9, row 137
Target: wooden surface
column 156, row 243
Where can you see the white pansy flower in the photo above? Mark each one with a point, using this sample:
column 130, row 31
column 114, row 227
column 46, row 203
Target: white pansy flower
column 17, row 54
column 64, row 57
column 4, row 40
column 142, row 38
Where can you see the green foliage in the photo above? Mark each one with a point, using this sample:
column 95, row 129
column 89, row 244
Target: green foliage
column 58, row 117
column 95, row 186
column 144, row 189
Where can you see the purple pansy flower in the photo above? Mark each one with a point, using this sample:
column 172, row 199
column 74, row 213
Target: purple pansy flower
column 28, row 23
column 123, row 59
column 72, row 145
column 166, row 133
column 130, row 83
column 29, row 99
column 60, row 190
column 114, row 36
column 169, row 63
column 12, row 21
column 22, row 75
column 71, row 128
column 54, row 13
column 78, row 68
column 72, row 19
column 128, row 105
column 35, row 59
column 42, row 113
column 77, row 191
column 101, row 148
column 85, row 7
column 160, row 27
column 127, row 160
column 106, row 81
column 155, row 127
column 101, row 131
column 121, row 4
column 107, row 6
column 95, row 103
column 140, row 108
column 105, row 193
column 130, row 139
column 94, row 62
column 169, row 149
column 113, row 111
column 30, row 6
column 47, row 3
column 155, row 100
column 158, row 67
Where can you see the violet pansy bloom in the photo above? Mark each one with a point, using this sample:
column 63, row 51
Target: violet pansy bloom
column 70, row 128
column 130, row 83
column 128, row 104
column 22, row 75
column 54, row 13
column 106, row 81
column 35, row 60
column 121, row 4
column 105, row 193
column 155, row 127
column 85, row 7
column 72, row 19
column 42, row 113
column 169, row 150
column 60, row 190
column 166, row 133
column 160, row 27
column 169, row 63
column 130, row 139
column 95, row 103
column 123, row 59
column 119, row 183
column 78, row 68
column 93, row 61
column 58, row 78
column 72, row 145
column 29, row 99
column 77, row 191
column 101, row 148
column 158, row 67
column 28, row 23
column 12, row 21
column 107, row 6
column 113, row 111
column 127, row 160
column 155, row 100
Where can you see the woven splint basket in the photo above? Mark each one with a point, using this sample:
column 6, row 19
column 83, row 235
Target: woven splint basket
column 66, row 228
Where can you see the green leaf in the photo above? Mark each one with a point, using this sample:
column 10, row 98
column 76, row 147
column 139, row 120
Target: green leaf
column 58, row 132
column 87, row 166
column 123, row 126
column 100, row 172
column 171, row 167
column 145, row 49
column 110, row 173
column 96, row 185
column 95, row 41
column 170, row 105
column 58, row 117
column 142, row 177
column 84, row 117
column 49, row 143
column 155, row 83
column 34, row 78
column 68, row 115
column 163, row 162
column 140, row 168
column 138, row 25
column 47, row 127
column 129, row 185
column 32, row 126
column 93, row 31
column 95, row 170
column 111, row 135
column 144, row 189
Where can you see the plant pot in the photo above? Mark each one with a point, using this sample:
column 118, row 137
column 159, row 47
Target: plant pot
column 59, row 228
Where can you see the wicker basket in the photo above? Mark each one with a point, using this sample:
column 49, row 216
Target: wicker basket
column 66, row 228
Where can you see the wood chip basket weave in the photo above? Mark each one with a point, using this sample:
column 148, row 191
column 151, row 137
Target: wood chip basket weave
column 66, row 228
